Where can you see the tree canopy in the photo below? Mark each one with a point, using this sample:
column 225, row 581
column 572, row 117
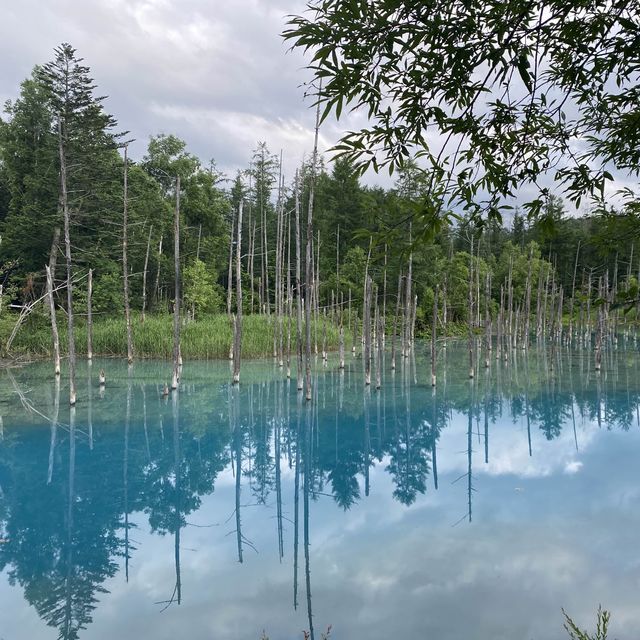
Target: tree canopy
column 493, row 96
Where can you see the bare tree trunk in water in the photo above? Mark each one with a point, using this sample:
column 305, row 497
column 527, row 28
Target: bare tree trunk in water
column 384, row 296
column 289, row 303
column 176, row 304
column 434, row 326
column 67, row 245
column 379, row 338
column 237, row 334
column 573, row 290
column 157, row 285
column 230, row 271
column 125, row 262
column 341, row 335
column 409, row 303
column 527, row 304
column 51, row 271
column 298, row 290
column 144, row 275
column 252, row 252
column 54, row 323
column 395, row 322
column 470, row 313
column 309, row 259
column 487, row 318
column 366, row 330
column 90, row 315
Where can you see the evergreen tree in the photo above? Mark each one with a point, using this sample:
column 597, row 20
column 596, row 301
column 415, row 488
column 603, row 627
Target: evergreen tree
column 83, row 136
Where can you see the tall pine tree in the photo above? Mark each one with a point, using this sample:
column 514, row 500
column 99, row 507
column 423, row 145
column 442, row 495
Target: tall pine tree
column 84, row 134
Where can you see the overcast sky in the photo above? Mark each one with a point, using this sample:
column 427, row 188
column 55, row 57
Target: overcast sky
column 215, row 73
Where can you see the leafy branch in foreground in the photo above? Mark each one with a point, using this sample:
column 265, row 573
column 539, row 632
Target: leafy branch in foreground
column 493, row 96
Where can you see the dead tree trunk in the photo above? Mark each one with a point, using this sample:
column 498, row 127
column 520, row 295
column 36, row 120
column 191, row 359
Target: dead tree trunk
column 527, row 304
column 309, row 259
column 470, row 314
column 487, row 319
column 289, row 302
column 230, row 270
column 144, row 275
column 64, row 198
column 573, row 291
column 395, row 322
column 341, row 336
column 237, row 334
column 51, row 271
column 125, row 262
column 379, row 338
column 156, row 289
column 90, row 315
column 409, row 303
column 384, row 295
column 176, row 303
column 298, row 289
column 600, row 330
column 366, row 330
column 434, row 328
column 54, row 323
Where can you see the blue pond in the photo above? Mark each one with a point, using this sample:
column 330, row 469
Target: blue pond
column 476, row 510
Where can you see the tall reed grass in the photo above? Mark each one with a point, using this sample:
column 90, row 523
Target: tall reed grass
column 206, row 338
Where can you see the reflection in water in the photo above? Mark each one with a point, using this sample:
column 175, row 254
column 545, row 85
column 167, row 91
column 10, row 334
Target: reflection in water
column 68, row 490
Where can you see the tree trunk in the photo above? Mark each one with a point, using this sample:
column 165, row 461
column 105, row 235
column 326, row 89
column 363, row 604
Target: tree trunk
column 409, row 303
column 573, row 291
column 90, row 315
column 176, row 303
column 67, row 248
column 298, row 289
column 384, row 296
column 434, row 328
column 379, row 339
column 395, row 322
column 144, row 275
column 309, row 259
column 157, row 285
column 230, row 271
column 341, row 334
column 125, row 262
column 470, row 314
column 237, row 334
column 54, row 323
column 51, row 272
column 366, row 330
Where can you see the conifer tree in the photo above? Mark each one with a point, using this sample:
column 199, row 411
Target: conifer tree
column 83, row 132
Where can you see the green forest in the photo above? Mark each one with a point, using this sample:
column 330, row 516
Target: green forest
column 357, row 229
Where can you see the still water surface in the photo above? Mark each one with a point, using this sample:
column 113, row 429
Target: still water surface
column 477, row 510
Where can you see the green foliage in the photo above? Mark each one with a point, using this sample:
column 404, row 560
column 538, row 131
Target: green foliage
column 108, row 294
column 491, row 96
column 353, row 269
column 200, row 293
column 28, row 156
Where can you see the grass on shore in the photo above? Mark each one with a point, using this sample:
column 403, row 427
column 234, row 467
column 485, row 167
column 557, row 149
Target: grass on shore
column 206, row 338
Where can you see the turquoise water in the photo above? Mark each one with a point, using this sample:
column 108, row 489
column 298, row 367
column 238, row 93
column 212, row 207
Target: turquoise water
column 477, row 510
